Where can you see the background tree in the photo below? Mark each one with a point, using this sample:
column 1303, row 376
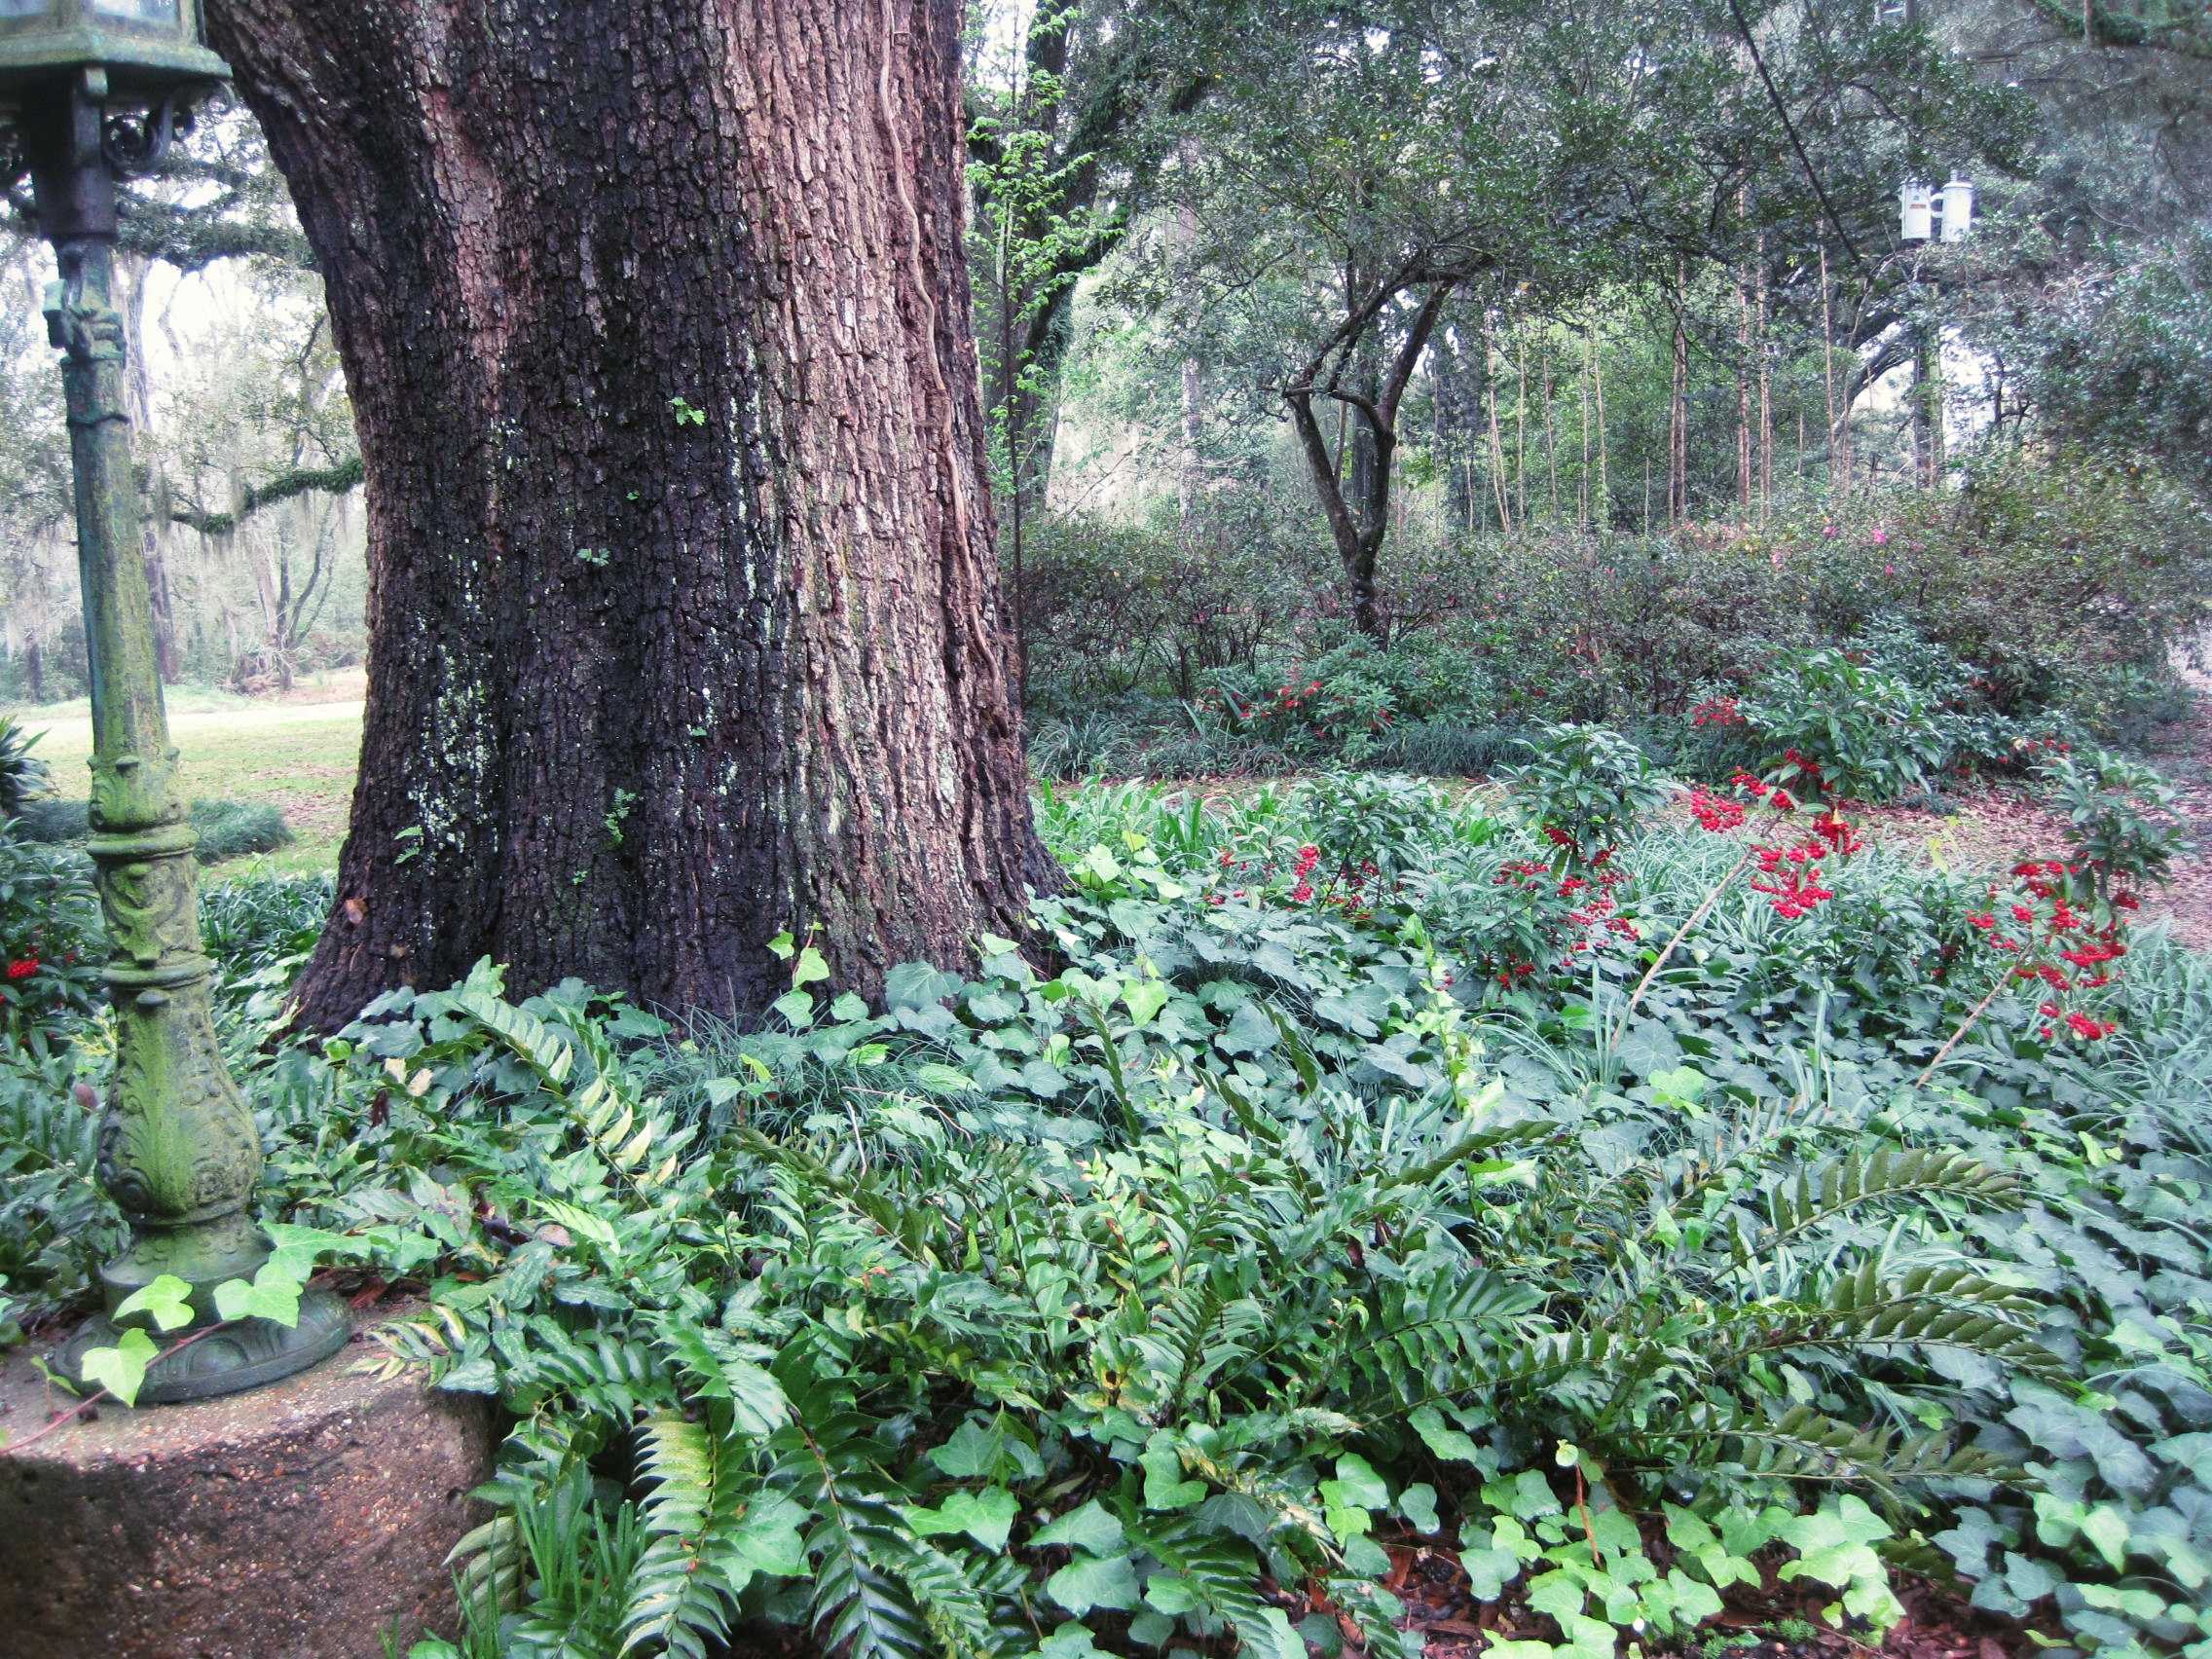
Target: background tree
column 222, row 433
column 1350, row 172
column 684, row 620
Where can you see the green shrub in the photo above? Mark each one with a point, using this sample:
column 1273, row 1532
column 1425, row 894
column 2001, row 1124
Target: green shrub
column 1113, row 607
column 1584, row 790
column 1871, row 736
column 226, row 829
column 2122, row 822
column 51, row 946
column 24, row 777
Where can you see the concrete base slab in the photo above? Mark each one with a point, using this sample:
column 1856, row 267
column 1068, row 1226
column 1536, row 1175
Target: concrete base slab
column 303, row 1520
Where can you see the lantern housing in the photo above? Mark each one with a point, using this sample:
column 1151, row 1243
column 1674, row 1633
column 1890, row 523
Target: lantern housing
column 1958, row 209
column 148, row 49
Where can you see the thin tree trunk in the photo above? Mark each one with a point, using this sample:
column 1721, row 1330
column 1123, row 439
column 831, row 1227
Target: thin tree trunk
column 1521, row 424
column 1828, row 362
column 685, row 621
column 1604, row 470
column 1766, row 393
column 1743, row 395
column 1496, row 437
column 1551, row 443
column 1582, row 488
column 1678, row 410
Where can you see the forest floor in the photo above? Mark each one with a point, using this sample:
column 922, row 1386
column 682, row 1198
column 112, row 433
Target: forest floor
column 1995, row 826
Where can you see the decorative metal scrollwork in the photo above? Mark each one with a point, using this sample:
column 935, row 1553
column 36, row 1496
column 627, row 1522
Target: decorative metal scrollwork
column 14, row 157
column 135, row 142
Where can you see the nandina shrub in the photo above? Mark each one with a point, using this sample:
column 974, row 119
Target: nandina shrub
column 48, row 951
column 2122, row 819
column 1873, row 735
column 1584, row 789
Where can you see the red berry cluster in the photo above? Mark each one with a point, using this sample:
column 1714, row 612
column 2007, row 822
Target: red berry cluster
column 1715, row 813
column 23, row 969
column 1794, row 878
column 1584, row 910
column 2057, row 942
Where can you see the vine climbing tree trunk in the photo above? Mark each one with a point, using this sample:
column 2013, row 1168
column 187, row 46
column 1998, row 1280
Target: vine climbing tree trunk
column 685, row 617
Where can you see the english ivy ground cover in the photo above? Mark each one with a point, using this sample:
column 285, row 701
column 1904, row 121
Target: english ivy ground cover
column 1304, row 1190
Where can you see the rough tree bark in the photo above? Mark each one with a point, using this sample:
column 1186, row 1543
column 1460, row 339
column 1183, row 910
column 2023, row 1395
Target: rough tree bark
column 683, row 611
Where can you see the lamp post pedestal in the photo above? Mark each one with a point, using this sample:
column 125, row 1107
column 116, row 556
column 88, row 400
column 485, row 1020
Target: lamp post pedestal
column 179, row 1148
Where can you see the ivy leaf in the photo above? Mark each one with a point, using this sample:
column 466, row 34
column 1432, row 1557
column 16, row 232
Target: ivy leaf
column 272, row 1294
column 300, row 1248
column 1418, row 1504
column 2106, row 1527
column 168, row 1299
column 986, row 1516
column 977, row 1453
column 811, row 968
column 1072, row 1640
column 798, row 1007
column 1090, row 1528
column 121, row 1370
column 1356, row 1487
column 1249, row 1033
column 1089, row 1582
column 1441, row 1438
column 1164, row 1486
column 1144, row 998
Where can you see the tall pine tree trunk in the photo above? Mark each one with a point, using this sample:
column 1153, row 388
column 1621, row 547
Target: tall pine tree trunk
column 683, row 613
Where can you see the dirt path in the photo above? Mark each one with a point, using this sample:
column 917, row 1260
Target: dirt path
column 1998, row 826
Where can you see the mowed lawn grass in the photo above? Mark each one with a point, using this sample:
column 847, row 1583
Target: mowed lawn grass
column 299, row 759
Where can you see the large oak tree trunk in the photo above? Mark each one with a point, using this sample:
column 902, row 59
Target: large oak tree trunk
column 683, row 609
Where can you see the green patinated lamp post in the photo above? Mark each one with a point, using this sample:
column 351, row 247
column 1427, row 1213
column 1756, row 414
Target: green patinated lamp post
column 92, row 89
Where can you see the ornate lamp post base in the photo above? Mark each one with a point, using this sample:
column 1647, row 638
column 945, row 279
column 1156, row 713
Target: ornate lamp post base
column 179, row 1150
column 243, row 1356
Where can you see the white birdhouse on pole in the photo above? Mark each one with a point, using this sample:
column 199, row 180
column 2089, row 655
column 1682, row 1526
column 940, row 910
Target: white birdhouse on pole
column 1919, row 204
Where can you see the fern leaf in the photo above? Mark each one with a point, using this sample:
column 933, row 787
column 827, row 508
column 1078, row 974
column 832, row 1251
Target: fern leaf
column 857, row 1597
column 1843, row 1185
column 675, row 1595
column 957, row 1614
column 757, row 1402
